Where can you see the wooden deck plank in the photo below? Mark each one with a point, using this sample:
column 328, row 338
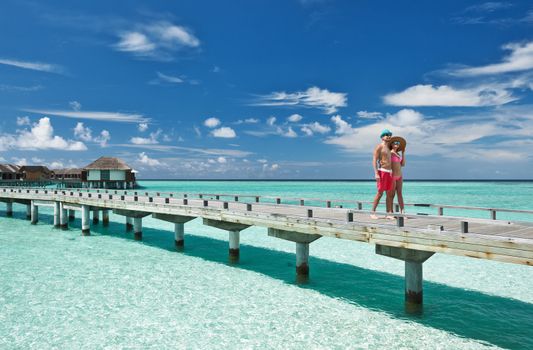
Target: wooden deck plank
column 487, row 239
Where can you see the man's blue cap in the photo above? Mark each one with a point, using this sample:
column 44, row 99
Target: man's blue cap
column 385, row 132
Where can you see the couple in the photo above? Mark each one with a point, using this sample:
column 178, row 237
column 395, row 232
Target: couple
column 388, row 160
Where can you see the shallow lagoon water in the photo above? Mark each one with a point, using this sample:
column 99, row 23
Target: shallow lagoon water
column 61, row 290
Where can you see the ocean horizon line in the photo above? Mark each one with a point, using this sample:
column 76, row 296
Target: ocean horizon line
column 344, row 180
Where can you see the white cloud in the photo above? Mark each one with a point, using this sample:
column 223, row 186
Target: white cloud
column 152, row 140
column 519, row 59
column 38, row 66
column 456, row 137
column 39, row 137
column 4, row 87
column 316, row 127
column 23, row 121
column 103, row 116
column 103, row 139
column 444, row 95
column 156, row 40
column 314, row 97
column 20, row 161
column 142, row 127
column 56, row 165
column 247, row 121
column 271, row 121
column 202, row 151
column 221, row 160
column 37, row 160
column 144, row 159
column 82, row 132
column 171, row 35
column 134, row 42
column 75, row 105
column 85, row 133
column 197, row 131
column 224, row 132
column 295, row 118
column 212, row 122
column 169, row 78
column 369, row 115
column 290, row 133
column 341, row 126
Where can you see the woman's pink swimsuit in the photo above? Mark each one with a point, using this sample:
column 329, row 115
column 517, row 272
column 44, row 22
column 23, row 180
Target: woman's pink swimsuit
column 396, row 159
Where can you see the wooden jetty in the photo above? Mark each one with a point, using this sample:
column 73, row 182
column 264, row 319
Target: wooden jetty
column 412, row 238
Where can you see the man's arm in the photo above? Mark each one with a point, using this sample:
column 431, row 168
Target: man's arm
column 375, row 160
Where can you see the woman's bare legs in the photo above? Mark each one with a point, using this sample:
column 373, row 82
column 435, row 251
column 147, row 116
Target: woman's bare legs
column 399, row 187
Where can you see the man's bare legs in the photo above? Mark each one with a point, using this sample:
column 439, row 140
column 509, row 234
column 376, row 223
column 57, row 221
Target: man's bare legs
column 390, row 201
column 375, row 205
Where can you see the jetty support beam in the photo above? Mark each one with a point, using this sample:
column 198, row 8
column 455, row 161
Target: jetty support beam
column 85, row 225
column 105, row 217
column 137, row 220
column 34, row 213
column 96, row 216
column 179, row 226
column 302, row 241
column 413, row 269
column 234, row 230
column 28, row 211
column 129, row 223
column 63, row 217
column 57, row 212
column 71, row 214
column 9, row 208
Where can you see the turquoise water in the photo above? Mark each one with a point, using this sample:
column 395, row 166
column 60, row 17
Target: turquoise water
column 61, row 290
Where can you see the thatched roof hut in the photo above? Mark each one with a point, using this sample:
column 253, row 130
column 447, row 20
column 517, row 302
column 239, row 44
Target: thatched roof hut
column 108, row 163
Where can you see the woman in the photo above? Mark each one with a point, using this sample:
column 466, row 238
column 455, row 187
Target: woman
column 397, row 146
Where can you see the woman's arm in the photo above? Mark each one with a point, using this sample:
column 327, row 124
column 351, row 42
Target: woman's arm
column 403, row 158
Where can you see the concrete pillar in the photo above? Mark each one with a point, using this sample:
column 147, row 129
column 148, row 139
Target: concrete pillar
column 179, row 234
column 413, row 272
column 96, row 216
column 105, row 217
column 57, row 212
column 85, row 226
column 34, row 213
column 9, row 208
column 71, row 214
column 28, row 211
column 63, row 218
column 129, row 223
column 413, row 282
column 138, row 228
column 234, row 237
column 302, row 258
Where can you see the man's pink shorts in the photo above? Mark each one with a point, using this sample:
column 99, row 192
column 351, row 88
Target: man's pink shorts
column 385, row 181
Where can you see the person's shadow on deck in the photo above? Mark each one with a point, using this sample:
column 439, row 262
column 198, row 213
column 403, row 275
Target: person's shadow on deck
column 500, row 321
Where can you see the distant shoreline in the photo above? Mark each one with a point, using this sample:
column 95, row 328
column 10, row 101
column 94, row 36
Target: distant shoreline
column 339, row 180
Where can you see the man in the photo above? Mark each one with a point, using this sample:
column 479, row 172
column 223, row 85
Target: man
column 381, row 163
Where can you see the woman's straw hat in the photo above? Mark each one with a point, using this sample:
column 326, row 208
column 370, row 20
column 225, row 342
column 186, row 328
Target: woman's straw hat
column 400, row 139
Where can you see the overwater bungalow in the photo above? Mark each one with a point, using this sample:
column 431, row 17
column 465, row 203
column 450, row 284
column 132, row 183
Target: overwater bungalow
column 69, row 174
column 108, row 172
column 10, row 172
column 35, row 173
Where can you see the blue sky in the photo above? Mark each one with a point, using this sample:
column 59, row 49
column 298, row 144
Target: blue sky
column 269, row 89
